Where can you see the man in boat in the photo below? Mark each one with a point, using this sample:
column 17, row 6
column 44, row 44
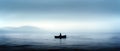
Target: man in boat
column 60, row 36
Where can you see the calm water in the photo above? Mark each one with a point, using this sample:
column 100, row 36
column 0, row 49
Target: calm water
column 85, row 41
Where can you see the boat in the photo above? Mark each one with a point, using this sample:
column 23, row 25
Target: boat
column 61, row 36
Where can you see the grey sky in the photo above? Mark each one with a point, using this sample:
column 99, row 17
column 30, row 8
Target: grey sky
column 64, row 12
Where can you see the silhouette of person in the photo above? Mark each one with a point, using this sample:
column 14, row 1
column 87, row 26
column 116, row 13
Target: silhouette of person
column 60, row 34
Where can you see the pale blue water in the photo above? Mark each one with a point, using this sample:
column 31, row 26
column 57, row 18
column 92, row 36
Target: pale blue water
column 72, row 40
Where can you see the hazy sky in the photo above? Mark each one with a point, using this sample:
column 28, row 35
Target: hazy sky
column 53, row 15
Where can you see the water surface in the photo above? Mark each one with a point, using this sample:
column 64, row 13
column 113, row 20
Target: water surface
column 73, row 41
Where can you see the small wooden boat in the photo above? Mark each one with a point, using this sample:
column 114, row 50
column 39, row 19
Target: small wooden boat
column 61, row 36
column 64, row 36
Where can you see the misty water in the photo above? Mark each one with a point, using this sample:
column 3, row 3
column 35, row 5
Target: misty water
column 41, row 41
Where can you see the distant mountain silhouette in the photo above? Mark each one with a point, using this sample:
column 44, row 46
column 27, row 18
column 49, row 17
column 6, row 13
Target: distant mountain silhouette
column 22, row 29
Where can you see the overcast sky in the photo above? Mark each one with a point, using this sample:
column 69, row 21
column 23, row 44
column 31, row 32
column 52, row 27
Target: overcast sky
column 61, row 14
